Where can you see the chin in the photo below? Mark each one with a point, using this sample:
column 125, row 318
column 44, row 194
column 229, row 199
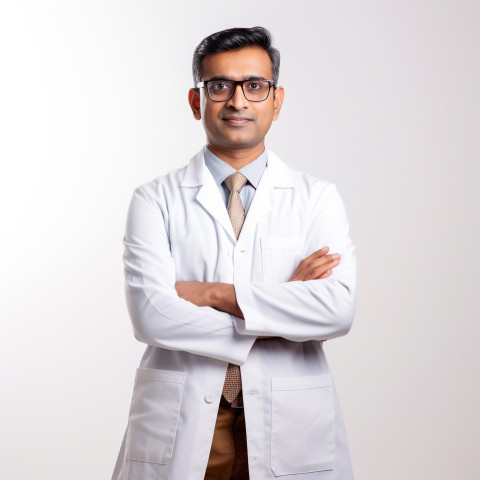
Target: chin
column 242, row 142
column 240, row 136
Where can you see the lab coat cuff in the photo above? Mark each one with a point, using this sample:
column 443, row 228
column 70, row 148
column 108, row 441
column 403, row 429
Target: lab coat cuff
column 252, row 323
column 241, row 346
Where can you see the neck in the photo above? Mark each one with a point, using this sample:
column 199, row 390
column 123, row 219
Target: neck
column 237, row 158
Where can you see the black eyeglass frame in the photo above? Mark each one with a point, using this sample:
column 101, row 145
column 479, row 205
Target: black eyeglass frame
column 205, row 83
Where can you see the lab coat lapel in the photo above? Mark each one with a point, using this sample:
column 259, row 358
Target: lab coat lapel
column 276, row 176
column 261, row 204
column 197, row 174
column 210, row 198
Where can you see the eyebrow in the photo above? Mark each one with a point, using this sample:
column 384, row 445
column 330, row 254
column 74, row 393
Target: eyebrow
column 251, row 77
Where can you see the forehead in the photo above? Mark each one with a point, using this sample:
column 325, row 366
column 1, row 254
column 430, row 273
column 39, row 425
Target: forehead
column 238, row 64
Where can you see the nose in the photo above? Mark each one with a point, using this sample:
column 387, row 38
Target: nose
column 238, row 100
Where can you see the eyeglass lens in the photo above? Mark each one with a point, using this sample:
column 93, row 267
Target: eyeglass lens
column 254, row 90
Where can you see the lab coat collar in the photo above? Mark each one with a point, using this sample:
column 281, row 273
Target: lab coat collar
column 276, row 175
column 197, row 171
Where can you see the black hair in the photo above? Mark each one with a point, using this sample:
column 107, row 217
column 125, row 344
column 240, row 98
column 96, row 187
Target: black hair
column 232, row 39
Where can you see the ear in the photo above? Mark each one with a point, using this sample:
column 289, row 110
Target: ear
column 194, row 101
column 277, row 101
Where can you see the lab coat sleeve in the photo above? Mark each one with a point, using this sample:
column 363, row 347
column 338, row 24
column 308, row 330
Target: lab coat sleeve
column 159, row 316
column 312, row 310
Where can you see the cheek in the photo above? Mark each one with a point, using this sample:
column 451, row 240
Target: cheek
column 208, row 119
column 266, row 118
column 211, row 113
column 209, row 109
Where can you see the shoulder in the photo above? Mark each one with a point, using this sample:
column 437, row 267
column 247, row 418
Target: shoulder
column 167, row 186
column 312, row 189
column 158, row 186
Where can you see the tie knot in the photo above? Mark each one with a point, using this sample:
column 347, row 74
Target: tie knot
column 236, row 181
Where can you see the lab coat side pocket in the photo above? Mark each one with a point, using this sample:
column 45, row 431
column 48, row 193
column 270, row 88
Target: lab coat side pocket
column 303, row 425
column 152, row 425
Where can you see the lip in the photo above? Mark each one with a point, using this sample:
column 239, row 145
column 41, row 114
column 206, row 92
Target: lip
column 237, row 120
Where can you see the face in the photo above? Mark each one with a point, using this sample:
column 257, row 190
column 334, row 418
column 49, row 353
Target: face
column 237, row 123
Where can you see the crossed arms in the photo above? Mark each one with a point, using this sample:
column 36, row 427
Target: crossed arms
column 221, row 296
column 223, row 321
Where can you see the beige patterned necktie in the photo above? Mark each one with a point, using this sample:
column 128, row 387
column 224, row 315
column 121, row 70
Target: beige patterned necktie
column 235, row 182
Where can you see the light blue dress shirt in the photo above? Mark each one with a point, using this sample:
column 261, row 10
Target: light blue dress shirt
column 252, row 171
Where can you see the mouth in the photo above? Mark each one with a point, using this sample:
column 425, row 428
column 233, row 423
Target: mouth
column 237, row 120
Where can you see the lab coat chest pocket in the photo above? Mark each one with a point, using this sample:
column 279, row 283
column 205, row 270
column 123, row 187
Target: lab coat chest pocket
column 280, row 257
column 154, row 412
column 303, row 425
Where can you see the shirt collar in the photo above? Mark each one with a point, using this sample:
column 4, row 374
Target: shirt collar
column 221, row 170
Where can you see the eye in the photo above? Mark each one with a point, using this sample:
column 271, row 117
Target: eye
column 220, row 85
column 254, row 86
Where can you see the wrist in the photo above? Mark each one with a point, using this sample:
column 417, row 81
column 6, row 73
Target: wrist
column 213, row 294
column 222, row 297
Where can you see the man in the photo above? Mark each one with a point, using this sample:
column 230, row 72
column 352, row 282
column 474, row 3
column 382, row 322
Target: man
column 230, row 284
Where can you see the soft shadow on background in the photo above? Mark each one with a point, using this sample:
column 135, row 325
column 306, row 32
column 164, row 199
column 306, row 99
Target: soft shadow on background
column 381, row 98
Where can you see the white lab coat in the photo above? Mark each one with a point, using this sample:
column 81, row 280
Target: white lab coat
column 178, row 229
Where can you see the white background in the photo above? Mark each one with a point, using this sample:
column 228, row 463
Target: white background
column 381, row 97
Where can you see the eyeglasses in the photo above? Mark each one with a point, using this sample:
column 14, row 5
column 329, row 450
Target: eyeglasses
column 222, row 90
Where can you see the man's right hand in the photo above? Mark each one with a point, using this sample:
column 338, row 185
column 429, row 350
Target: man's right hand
column 316, row 266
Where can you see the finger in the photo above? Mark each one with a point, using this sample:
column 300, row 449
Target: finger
column 313, row 259
column 313, row 266
column 326, row 274
column 321, row 271
column 318, row 253
column 307, row 260
column 327, row 266
column 324, row 263
column 326, row 259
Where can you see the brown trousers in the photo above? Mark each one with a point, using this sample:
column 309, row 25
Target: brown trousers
column 228, row 456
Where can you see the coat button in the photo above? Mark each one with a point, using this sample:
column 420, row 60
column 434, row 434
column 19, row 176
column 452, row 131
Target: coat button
column 209, row 397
